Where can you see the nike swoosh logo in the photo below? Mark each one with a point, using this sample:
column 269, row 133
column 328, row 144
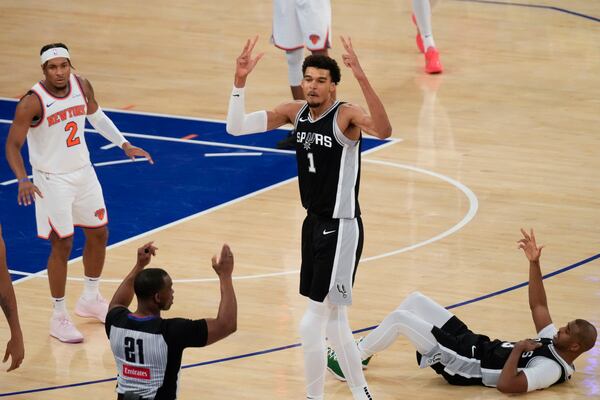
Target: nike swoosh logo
column 49, row 104
column 326, row 232
column 302, row 120
column 236, row 95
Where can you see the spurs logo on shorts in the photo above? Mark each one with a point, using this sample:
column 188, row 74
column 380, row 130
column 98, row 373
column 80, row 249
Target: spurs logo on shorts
column 342, row 289
column 100, row 213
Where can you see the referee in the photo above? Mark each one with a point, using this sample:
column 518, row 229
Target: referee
column 148, row 348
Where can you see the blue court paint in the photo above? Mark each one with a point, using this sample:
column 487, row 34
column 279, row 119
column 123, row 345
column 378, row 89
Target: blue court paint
column 141, row 197
column 541, row 6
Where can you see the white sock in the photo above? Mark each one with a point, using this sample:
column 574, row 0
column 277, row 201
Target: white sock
column 59, row 305
column 422, row 10
column 361, row 393
column 90, row 288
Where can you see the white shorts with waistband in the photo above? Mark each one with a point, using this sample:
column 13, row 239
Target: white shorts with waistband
column 71, row 199
column 299, row 23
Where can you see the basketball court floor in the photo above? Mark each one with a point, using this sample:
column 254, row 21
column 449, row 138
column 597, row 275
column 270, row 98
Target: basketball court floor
column 505, row 138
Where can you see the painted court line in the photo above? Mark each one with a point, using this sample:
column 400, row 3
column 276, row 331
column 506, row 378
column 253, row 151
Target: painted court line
column 295, row 345
column 232, row 154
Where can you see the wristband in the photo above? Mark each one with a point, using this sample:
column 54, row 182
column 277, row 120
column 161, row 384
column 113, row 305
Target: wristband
column 26, row 179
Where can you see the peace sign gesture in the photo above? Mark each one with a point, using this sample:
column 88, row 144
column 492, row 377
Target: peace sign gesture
column 350, row 58
column 245, row 63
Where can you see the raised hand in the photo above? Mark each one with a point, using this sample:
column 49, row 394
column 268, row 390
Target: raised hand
column 133, row 151
column 27, row 192
column 145, row 253
column 350, row 59
column 244, row 64
column 223, row 266
column 529, row 246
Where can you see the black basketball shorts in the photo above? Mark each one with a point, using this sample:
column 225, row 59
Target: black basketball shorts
column 331, row 250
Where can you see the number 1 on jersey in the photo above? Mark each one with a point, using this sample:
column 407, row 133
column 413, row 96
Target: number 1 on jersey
column 311, row 163
column 72, row 140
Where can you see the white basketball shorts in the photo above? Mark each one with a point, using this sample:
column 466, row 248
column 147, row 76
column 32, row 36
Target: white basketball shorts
column 71, row 199
column 299, row 23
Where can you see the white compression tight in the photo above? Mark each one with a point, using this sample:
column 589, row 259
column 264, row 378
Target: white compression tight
column 422, row 11
column 319, row 320
column 414, row 318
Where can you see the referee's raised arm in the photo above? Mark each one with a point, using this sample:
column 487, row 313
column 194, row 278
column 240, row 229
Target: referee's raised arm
column 226, row 321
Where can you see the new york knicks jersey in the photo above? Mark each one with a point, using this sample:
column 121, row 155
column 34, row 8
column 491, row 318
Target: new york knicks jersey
column 328, row 165
column 56, row 141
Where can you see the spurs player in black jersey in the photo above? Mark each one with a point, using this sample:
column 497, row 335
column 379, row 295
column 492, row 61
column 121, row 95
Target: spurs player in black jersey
column 328, row 137
column 462, row 357
column 148, row 348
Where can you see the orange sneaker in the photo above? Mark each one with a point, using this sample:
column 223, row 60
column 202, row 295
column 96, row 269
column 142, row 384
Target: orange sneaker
column 418, row 38
column 432, row 61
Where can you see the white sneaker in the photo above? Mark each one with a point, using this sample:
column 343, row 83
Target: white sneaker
column 62, row 328
column 95, row 308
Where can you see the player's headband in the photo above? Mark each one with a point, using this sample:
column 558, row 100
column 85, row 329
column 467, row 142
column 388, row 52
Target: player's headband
column 54, row 52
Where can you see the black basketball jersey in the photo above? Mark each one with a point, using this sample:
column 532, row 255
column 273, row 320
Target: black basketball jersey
column 148, row 351
column 495, row 353
column 328, row 165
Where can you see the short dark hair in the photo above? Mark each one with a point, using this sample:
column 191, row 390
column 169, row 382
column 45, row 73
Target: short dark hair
column 587, row 334
column 149, row 282
column 53, row 46
column 323, row 62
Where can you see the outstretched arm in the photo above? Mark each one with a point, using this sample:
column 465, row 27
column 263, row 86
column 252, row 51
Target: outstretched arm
column 106, row 127
column 537, row 294
column 226, row 322
column 124, row 294
column 238, row 122
column 377, row 123
column 8, row 302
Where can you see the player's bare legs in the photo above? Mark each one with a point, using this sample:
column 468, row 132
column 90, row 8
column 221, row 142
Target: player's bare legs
column 91, row 304
column 57, row 264
column 94, row 251
column 61, row 326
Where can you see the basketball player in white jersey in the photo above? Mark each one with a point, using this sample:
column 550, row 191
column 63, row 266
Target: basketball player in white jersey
column 445, row 343
column 14, row 348
column 422, row 19
column 328, row 139
column 299, row 24
column 65, row 189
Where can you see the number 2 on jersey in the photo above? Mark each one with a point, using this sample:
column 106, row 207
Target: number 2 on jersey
column 72, row 139
column 130, row 353
column 311, row 163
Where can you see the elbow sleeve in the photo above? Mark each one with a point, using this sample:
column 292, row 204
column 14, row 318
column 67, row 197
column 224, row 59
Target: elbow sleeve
column 106, row 127
column 238, row 122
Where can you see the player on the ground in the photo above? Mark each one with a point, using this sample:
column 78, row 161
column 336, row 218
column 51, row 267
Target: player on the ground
column 444, row 342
